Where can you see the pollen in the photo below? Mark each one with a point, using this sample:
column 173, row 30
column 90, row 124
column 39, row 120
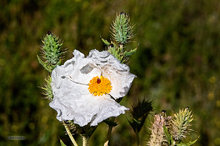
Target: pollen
column 99, row 86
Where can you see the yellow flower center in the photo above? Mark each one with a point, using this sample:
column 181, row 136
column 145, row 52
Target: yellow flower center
column 99, row 86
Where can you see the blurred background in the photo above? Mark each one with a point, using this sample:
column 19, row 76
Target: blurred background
column 177, row 62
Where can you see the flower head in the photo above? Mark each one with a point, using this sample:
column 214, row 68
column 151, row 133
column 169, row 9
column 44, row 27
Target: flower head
column 85, row 88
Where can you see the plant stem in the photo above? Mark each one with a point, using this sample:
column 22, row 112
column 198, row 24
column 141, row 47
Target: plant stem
column 137, row 138
column 109, row 134
column 85, row 140
column 70, row 135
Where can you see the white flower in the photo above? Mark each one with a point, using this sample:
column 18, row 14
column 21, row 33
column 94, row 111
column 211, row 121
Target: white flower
column 85, row 89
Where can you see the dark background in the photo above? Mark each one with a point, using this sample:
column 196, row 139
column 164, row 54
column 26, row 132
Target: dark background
column 177, row 62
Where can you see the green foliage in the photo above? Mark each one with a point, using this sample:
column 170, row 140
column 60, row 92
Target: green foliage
column 62, row 143
column 129, row 53
column 169, row 138
column 47, row 89
column 105, row 42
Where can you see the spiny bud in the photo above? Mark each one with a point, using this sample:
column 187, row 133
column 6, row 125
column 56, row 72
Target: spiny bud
column 181, row 123
column 121, row 32
column 51, row 52
column 121, row 28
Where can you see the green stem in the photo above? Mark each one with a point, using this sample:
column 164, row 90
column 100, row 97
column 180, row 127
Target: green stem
column 70, row 135
column 85, row 140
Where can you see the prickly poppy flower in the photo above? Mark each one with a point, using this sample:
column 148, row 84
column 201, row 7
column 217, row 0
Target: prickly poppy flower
column 85, row 88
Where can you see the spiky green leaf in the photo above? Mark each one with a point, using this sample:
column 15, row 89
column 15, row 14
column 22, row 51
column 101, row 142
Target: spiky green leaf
column 129, row 53
column 105, row 42
column 47, row 90
column 45, row 65
column 168, row 136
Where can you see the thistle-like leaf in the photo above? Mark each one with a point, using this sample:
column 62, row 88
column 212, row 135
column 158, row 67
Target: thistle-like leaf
column 141, row 109
column 47, row 90
column 139, row 114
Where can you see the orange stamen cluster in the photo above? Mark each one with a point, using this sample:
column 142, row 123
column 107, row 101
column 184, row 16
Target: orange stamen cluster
column 99, row 86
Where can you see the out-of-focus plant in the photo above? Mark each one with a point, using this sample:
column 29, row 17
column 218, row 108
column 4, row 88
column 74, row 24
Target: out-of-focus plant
column 171, row 130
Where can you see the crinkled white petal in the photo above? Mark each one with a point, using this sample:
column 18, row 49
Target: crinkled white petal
column 116, row 72
column 80, row 69
column 72, row 99
column 87, row 109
